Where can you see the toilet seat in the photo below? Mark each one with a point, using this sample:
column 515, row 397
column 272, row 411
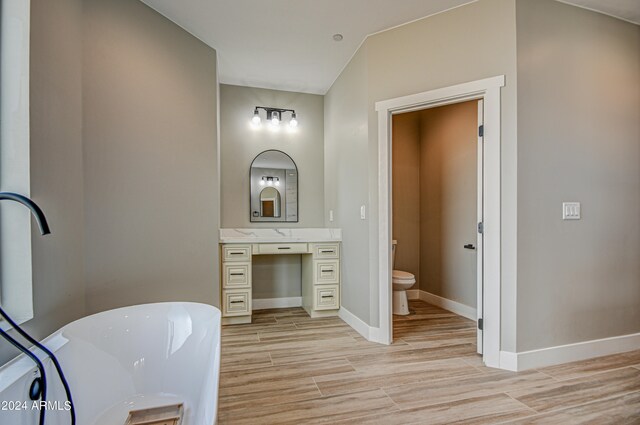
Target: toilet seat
column 400, row 276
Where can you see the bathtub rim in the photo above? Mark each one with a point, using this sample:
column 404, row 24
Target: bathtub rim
column 20, row 366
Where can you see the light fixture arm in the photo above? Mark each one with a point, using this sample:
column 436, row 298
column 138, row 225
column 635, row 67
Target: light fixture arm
column 269, row 110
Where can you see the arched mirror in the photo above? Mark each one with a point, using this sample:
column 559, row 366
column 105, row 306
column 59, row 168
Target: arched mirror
column 274, row 187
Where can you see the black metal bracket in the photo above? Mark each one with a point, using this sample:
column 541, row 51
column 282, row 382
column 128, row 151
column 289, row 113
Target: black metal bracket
column 270, row 110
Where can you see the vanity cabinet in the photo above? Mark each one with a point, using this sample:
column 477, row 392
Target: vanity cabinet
column 236, row 283
column 320, row 277
column 321, row 280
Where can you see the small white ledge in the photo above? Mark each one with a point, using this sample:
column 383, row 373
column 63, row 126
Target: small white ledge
column 262, row 235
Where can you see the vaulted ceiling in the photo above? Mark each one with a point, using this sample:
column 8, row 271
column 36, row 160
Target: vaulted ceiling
column 289, row 45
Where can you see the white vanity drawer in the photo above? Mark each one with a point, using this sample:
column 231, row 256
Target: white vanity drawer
column 236, row 275
column 236, row 302
column 281, row 248
column 325, row 250
column 326, row 297
column 236, row 253
column 326, row 272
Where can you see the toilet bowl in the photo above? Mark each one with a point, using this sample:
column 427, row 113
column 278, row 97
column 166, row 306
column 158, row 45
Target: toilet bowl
column 401, row 281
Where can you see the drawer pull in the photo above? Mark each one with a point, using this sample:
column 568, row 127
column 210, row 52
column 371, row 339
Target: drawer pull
column 284, row 247
column 326, row 296
column 326, row 270
column 237, row 274
column 237, row 301
column 327, row 251
column 236, row 252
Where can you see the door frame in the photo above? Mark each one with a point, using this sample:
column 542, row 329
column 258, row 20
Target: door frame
column 489, row 91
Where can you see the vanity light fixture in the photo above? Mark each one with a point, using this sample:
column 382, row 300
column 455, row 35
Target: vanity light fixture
column 269, row 181
column 274, row 116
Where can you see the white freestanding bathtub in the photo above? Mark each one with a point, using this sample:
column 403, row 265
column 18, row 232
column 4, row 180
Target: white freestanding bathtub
column 126, row 359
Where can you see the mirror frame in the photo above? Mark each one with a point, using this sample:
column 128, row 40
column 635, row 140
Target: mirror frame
column 283, row 204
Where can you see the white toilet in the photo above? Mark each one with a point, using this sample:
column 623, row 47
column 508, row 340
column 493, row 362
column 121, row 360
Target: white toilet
column 401, row 282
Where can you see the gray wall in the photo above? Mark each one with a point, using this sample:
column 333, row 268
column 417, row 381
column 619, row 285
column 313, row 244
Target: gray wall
column 480, row 43
column 579, row 140
column 448, row 201
column 150, row 159
column 346, row 180
column 56, row 165
column 276, row 276
column 240, row 143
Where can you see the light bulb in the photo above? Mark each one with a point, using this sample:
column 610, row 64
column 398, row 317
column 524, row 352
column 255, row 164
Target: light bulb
column 277, row 183
column 275, row 120
column 294, row 122
column 256, row 118
column 262, row 182
column 270, row 182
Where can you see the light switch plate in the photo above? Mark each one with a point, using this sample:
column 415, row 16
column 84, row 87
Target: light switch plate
column 330, row 215
column 363, row 214
column 571, row 210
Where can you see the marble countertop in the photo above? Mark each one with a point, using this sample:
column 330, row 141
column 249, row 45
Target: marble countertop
column 264, row 235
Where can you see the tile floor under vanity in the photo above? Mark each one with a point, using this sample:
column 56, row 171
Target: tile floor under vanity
column 286, row 368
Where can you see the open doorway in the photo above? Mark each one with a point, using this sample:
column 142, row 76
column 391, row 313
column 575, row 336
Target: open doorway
column 489, row 309
column 436, row 172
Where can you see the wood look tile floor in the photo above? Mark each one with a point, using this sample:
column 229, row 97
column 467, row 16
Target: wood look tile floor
column 286, row 368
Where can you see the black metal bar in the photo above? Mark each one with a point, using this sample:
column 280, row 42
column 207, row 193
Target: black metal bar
column 44, row 229
column 35, row 209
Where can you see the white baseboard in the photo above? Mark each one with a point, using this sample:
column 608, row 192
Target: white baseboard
column 509, row 361
column 568, row 353
column 261, row 304
column 452, row 306
column 355, row 322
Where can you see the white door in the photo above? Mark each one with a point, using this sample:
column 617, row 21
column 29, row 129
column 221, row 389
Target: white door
column 479, row 240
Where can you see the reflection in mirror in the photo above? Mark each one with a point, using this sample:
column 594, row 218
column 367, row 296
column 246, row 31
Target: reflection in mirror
column 269, row 202
column 274, row 187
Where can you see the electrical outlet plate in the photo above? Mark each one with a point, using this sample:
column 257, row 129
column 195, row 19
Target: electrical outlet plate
column 571, row 210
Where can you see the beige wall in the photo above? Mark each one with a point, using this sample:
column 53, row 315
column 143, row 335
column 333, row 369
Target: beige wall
column 480, row 43
column 434, row 198
column 579, row 140
column 56, row 165
column 240, row 143
column 448, row 201
column 150, row 159
column 406, row 192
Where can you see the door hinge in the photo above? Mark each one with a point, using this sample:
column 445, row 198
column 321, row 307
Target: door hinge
column 481, row 227
column 480, row 324
column 481, row 131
